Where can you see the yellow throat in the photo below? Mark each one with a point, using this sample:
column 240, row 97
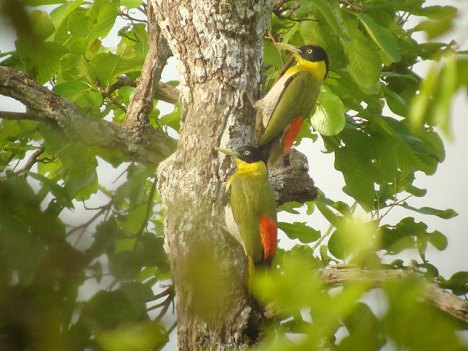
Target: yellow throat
column 318, row 69
column 248, row 169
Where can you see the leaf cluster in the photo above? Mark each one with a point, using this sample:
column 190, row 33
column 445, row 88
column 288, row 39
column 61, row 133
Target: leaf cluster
column 80, row 255
column 92, row 284
column 381, row 121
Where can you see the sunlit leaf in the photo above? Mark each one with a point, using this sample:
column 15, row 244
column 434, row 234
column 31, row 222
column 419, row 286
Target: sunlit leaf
column 329, row 117
column 381, row 36
column 363, row 64
column 133, row 337
column 301, row 231
column 446, row 214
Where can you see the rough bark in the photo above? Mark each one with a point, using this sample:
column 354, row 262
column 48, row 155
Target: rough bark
column 141, row 103
column 218, row 49
column 290, row 179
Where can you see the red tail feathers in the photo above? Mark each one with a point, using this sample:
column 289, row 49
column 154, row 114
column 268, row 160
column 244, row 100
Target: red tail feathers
column 291, row 133
column 268, row 236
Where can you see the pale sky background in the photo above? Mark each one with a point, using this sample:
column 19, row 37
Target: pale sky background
column 446, row 189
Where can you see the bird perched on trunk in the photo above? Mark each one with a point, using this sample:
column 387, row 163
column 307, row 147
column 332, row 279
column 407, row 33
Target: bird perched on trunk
column 251, row 212
column 292, row 98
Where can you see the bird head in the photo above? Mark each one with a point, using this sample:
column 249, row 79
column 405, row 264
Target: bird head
column 247, row 154
column 312, row 53
column 309, row 56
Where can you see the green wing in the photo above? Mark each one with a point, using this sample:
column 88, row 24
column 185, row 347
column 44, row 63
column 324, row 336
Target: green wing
column 252, row 197
column 297, row 99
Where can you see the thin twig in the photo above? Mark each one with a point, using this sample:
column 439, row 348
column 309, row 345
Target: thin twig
column 33, row 159
column 171, row 328
column 97, row 215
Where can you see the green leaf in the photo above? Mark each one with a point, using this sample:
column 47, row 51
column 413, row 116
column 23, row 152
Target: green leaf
column 141, row 336
column 272, row 55
column 458, row 283
column 81, row 178
column 59, row 16
column 277, row 286
column 108, row 309
column 81, row 94
column 42, row 26
column 363, row 328
column 438, row 240
column 137, row 293
column 446, row 214
column 444, row 95
column 337, row 245
column 413, row 190
column 404, row 298
column 354, row 160
column 402, row 236
column 328, row 118
column 395, row 102
column 438, row 12
column 41, row 59
column 75, row 67
column 289, row 207
column 321, row 204
column 422, row 153
column 152, row 253
column 330, row 11
column 363, row 64
column 435, row 29
column 79, row 24
column 41, row 2
column 60, row 193
column 171, row 119
column 299, row 230
column 381, row 36
column 107, row 67
column 102, row 15
column 131, row 4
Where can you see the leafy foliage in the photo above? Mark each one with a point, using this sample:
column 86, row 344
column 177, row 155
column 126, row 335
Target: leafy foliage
column 89, row 285
column 115, row 254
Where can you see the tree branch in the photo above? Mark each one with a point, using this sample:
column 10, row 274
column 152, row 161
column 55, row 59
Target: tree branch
column 47, row 106
column 33, row 159
column 166, row 93
column 440, row 298
column 141, row 103
column 291, row 180
column 18, row 116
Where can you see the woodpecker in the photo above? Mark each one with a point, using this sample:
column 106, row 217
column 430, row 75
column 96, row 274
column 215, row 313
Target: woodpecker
column 251, row 211
column 292, row 98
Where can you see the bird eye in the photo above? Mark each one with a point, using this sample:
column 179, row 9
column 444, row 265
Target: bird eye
column 247, row 152
column 309, row 51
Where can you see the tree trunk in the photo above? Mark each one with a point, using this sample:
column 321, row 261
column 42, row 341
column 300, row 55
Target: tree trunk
column 218, row 46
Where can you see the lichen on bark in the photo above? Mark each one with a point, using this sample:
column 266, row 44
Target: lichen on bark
column 218, row 47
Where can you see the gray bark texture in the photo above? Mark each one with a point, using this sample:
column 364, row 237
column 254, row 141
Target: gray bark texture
column 218, row 47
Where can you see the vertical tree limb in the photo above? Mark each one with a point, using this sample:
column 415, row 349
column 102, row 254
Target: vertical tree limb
column 218, row 47
column 141, row 103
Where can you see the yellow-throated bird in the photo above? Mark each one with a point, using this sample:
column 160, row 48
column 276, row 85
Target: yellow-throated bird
column 292, row 98
column 251, row 212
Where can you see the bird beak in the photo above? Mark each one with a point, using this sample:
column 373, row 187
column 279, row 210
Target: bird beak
column 292, row 49
column 289, row 47
column 229, row 152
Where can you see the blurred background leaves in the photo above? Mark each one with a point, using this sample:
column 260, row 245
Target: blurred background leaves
column 99, row 282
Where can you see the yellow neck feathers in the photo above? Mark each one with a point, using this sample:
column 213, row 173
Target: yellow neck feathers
column 247, row 169
column 317, row 69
